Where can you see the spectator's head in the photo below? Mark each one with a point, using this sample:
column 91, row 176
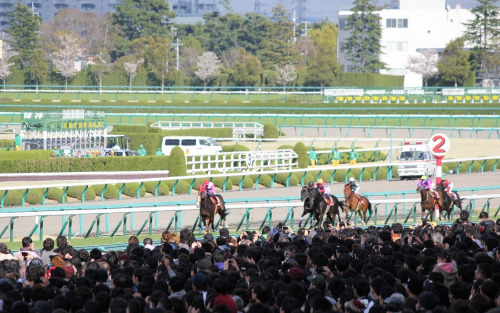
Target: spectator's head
column 26, row 242
column 147, row 241
column 62, row 241
column 133, row 240
column 48, row 244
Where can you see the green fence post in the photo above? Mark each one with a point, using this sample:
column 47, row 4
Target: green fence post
column 174, row 186
column 4, row 195
column 24, row 197
column 44, row 196
column 63, row 200
column 83, row 193
column 139, row 190
column 120, row 192
column 103, row 191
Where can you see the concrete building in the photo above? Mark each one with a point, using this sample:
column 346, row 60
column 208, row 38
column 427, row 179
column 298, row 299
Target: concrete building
column 47, row 9
column 407, row 27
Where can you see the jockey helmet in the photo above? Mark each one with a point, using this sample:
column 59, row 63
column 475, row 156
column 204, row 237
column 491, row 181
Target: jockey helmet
column 311, row 184
column 320, row 181
column 206, row 182
column 423, row 177
column 352, row 179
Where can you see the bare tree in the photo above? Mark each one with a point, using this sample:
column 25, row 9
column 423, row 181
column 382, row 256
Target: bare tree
column 131, row 69
column 100, row 66
column 188, row 60
column 425, row 64
column 208, row 67
column 64, row 59
column 230, row 57
column 287, row 74
column 7, row 54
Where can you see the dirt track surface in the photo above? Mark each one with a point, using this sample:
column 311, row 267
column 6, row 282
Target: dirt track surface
column 53, row 224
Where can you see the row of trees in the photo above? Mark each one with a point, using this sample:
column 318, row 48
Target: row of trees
column 139, row 37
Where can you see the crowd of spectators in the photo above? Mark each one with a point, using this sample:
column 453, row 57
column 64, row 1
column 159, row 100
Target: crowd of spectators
column 425, row 268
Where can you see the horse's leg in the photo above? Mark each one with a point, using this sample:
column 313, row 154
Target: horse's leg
column 364, row 216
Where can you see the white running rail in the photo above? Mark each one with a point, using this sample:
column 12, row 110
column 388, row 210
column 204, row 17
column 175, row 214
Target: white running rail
column 242, row 161
column 240, row 129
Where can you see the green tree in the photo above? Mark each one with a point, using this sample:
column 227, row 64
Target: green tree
column 221, row 32
column 157, row 58
column 143, row 18
column 324, row 66
column 278, row 45
column 363, row 45
column 255, row 32
column 37, row 69
column 481, row 33
column 247, row 72
column 24, row 28
column 454, row 65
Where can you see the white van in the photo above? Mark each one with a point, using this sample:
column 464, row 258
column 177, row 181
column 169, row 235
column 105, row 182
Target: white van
column 416, row 160
column 191, row 145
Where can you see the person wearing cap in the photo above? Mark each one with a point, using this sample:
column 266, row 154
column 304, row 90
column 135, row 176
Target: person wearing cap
column 336, row 156
column 141, row 151
column 87, row 154
column 159, row 152
column 353, row 156
column 313, row 157
column 18, row 141
column 199, row 282
column 427, row 301
column 317, row 281
column 57, row 152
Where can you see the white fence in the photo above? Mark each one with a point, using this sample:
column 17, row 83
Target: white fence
column 240, row 129
column 257, row 172
column 242, row 161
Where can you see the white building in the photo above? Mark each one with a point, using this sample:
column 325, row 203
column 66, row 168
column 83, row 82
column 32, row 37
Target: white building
column 407, row 27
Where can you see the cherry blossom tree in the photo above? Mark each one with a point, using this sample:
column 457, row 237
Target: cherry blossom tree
column 425, row 64
column 287, row 74
column 7, row 54
column 208, row 67
column 131, row 69
column 64, row 59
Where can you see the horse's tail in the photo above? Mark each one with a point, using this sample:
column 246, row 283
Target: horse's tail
column 342, row 205
column 370, row 207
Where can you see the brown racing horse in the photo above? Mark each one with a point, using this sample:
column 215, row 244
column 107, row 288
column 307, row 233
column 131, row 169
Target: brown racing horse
column 353, row 203
column 429, row 202
column 448, row 200
column 208, row 209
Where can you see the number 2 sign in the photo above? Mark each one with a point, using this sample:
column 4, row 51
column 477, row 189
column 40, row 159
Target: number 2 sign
column 439, row 145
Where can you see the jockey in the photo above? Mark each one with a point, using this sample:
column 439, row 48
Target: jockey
column 324, row 189
column 209, row 187
column 311, row 185
column 426, row 183
column 448, row 187
column 355, row 188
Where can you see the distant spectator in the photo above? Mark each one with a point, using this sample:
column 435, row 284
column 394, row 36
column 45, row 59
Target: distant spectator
column 141, row 151
column 47, row 251
column 159, row 152
column 5, row 253
column 18, row 141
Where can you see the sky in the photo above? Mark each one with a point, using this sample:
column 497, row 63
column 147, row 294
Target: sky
column 316, row 10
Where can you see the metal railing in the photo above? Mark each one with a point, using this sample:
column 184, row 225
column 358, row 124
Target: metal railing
column 332, row 170
column 177, row 208
column 242, row 161
column 192, row 107
column 240, row 129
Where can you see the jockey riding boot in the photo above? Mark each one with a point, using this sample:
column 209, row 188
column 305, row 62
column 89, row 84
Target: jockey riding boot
column 198, row 202
column 218, row 201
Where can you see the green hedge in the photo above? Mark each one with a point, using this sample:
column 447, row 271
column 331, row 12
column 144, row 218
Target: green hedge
column 303, row 157
column 281, row 179
column 77, row 191
column 56, row 194
column 367, row 80
column 234, row 148
column 6, row 143
column 34, row 196
column 151, row 186
column 271, row 131
column 177, row 163
column 101, row 164
column 131, row 189
column 25, row 155
column 182, row 187
column 111, row 191
column 13, row 198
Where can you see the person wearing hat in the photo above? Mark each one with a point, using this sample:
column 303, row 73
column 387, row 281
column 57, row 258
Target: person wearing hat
column 427, row 301
column 141, row 151
column 318, row 282
column 159, row 152
column 313, row 157
column 87, row 154
column 336, row 156
column 18, row 141
column 199, row 282
column 56, row 151
column 353, row 155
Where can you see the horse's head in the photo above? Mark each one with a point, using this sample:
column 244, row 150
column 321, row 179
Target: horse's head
column 440, row 186
column 304, row 193
column 347, row 190
column 419, row 189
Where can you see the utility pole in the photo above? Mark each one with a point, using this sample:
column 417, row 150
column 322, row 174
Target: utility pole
column 305, row 33
column 294, row 23
column 177, row 47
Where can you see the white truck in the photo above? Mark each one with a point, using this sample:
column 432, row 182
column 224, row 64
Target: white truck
column 416, row 160
column 191, row 145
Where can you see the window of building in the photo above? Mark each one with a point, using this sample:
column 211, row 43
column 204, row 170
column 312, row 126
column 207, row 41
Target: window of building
column 397, row 46
column 343, row 24
column 342, row 47
column 396, row 23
